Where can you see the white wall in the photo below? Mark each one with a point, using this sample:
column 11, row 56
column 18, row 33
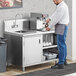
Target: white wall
column 74, row 30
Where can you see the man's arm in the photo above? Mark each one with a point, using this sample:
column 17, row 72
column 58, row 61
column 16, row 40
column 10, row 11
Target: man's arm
column 56, row 17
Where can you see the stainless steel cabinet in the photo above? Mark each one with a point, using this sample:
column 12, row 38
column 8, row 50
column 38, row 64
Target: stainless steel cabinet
column 26, row 51
column 32, row 50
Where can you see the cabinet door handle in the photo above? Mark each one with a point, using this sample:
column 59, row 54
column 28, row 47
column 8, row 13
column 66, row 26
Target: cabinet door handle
column 39, row 41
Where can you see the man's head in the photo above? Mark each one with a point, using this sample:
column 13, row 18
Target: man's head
column 57, row 1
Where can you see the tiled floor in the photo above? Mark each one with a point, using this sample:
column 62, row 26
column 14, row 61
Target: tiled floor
column 14, row 70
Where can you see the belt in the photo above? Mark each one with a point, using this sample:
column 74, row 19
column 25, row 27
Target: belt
column 64, row 24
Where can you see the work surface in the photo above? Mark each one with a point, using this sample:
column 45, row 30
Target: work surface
column 29, row 33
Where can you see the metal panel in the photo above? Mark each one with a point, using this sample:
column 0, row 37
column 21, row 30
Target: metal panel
column 2, row 57
column 14, row 50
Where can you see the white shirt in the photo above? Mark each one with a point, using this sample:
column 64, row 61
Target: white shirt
column 61, row 15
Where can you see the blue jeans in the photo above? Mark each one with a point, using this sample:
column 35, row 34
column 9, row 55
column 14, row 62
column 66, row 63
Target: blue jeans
column 62, row 48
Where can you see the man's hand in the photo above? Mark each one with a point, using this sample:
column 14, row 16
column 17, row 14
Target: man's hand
column 47, row 28
column 48, row 20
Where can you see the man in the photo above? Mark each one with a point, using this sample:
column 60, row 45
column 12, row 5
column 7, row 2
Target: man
column 60, row 20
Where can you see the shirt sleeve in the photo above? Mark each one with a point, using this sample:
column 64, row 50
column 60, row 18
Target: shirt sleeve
column 56, row 17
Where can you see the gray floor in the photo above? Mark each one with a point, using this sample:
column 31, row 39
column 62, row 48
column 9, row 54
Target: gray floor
column 70, row 68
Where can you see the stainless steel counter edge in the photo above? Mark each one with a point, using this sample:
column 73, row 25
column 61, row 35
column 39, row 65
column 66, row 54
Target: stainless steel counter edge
column 29, row 34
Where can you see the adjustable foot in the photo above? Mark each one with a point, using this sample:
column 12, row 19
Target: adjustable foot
column 23, row 69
